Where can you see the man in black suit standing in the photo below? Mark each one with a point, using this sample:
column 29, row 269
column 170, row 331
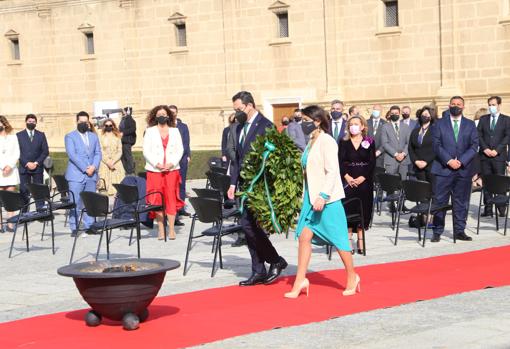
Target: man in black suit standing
column 375, row 124
column 494, row 136
column 338, row 120
column 251, row 124
column 127, row 127
column 33, row 150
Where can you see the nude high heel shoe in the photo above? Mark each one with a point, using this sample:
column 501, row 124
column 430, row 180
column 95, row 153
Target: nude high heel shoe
column 352, row 291
column 305, row 284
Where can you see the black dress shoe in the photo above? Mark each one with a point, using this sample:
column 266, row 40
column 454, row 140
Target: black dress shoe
column 435, row 238
column 463, row 237
column 91, row 231
column 254, row 279
column 239, row 242
column 74, row 233
column 275, row 270
column 185, row 213
column 178, row 223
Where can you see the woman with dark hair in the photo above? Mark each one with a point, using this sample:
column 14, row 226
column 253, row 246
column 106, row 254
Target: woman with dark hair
column 356, row 155
column 162, row 150
column 420, row 146
column 322, row 220
column 9, row 155
column 111, row 169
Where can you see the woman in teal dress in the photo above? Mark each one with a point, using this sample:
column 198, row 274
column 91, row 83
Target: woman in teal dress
column 322, row 220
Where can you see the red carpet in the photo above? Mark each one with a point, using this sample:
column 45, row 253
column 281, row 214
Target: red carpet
column 205, row 316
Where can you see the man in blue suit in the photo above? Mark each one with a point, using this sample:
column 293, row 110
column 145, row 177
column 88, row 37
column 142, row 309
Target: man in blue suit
column 84, row 152
column 251, row 124
column 33, row 148
column 455, row 143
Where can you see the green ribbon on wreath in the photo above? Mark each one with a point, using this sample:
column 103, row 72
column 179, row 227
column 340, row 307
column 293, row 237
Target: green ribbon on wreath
column 270, row 147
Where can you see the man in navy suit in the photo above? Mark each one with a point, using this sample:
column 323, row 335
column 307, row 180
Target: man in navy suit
column 251, row 124
column 338, row 120
column 33, row 148
column 84, row 152
column 455, row 143
column 186, row 158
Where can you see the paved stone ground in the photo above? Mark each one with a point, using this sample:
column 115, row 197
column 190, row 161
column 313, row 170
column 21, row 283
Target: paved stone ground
column 480, row 319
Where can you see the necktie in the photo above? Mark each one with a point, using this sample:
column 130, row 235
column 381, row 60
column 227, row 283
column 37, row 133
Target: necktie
column 493, row 123
column 243, row 134
column 86, row 140
column 396, row 129
column 420, row 136
column 376, row 123
column 456, row 129
column 335, row 133
column 31, row 136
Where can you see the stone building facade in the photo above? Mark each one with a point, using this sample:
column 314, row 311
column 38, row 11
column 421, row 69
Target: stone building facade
column 59, row 57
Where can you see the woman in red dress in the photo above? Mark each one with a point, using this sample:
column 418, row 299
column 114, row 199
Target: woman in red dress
column 162, row 150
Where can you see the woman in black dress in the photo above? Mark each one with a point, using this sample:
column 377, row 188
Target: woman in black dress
column 420, row 146
column 356, row 155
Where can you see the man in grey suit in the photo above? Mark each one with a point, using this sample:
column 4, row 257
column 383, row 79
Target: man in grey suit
column 375, row 125
column 395, row 140
column 295, row 131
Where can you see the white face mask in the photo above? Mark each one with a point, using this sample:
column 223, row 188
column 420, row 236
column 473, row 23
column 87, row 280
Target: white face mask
column 493, row 109
column 354, row 130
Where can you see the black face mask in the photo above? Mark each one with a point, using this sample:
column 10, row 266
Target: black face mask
column 308, row 127
column 241, row 117
column 298, row 118
column 405, row 116
column 394, row 118
column 83, row 127
column 424, row 119
column 455, row 111
column 285, row 123
column 162, row 119
column 108, row 128
column 31, row 127
column 336, row 115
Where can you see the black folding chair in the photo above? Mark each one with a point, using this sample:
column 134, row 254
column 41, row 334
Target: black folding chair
column 12, row 202
column 129, row 195
column 378, row 193
column 498, row 187
column 392, row 185
column 419, row 192
column 209, row 211
column 96, row 206
column 354, row 219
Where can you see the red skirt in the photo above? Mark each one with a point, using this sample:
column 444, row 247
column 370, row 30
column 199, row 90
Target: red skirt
column 168, row 183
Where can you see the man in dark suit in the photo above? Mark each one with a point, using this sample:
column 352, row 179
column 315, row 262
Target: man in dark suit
column 251, row 124
column 494, row 136
column 375, row 124
column 406, row 118
column 33, row 150
column 455, row 143
column 127, row 127
column 338, row 120
column 186, row 158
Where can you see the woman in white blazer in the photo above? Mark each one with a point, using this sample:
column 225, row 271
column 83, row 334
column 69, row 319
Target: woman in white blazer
column 322, row 220
column 162, row 150
column 9, row 156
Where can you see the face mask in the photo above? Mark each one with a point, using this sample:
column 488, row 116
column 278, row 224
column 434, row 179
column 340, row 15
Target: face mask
column 285, row 123
column 405, row 116
column 376, row 113
column 394, row 118
column 493, row 109
column 298, row 118
column 424, row 119
column 455, row 111
column 308, row 127
column 336, row 115
column 241, row 117
column 83, row 127
column 108, row 128
column 162, row 119
column 31, row 127
column 354, row 130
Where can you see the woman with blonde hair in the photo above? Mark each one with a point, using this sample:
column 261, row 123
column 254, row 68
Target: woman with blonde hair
column 111, row 169
column 9, row 155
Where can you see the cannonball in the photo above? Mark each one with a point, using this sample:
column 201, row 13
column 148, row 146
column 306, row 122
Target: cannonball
column 92, row 319
column 130, row 322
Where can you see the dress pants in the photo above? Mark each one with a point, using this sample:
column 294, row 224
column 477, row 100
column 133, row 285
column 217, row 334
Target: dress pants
column 491, row 167
column 26, row 178
column 460, row 190
column 127, row 159
column 260, row 247
column 88, row 184
column 183, row 170
column 427, row 176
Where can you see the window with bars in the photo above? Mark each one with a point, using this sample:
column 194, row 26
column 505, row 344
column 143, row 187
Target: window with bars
column 181, row 34
column 15, row 52
column 89, row 43
column 283, row 24
column 390, row 13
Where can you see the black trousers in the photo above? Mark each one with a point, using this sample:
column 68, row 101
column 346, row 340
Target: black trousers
column 491, row 167
column 127, row 158
column 260, row 247
column 25, row 179
column 425, row 175
column 183, row 170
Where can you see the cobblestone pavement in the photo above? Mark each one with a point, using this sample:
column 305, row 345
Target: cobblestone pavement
column 480, row 319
